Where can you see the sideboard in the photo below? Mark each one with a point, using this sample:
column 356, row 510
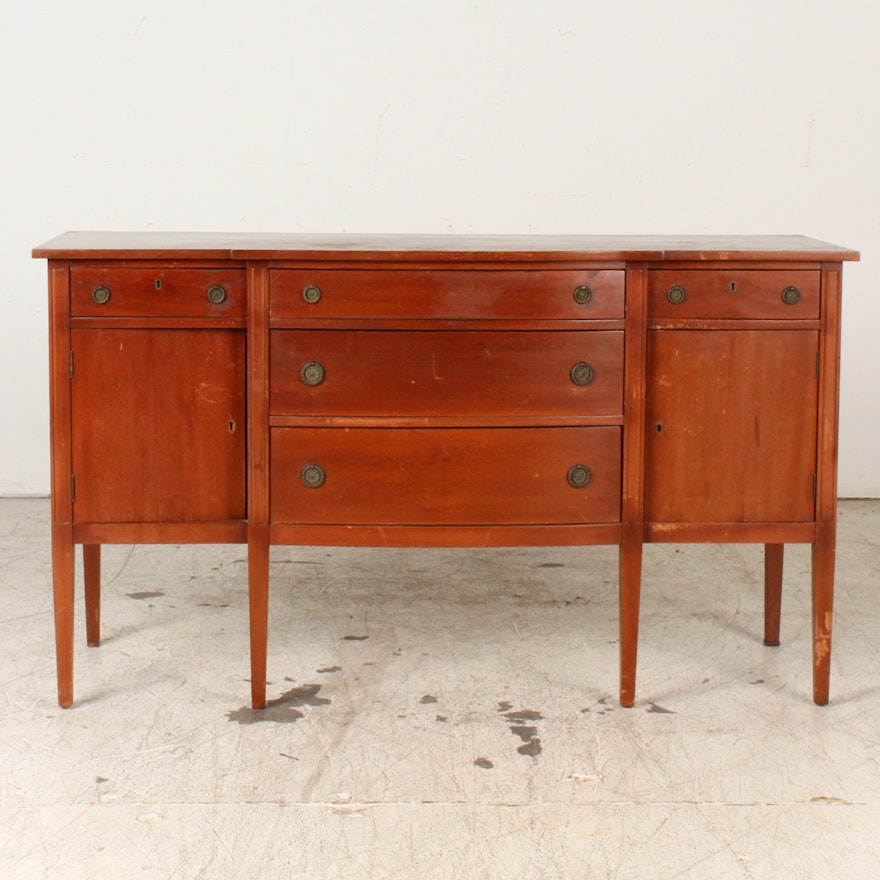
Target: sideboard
column 430, row 391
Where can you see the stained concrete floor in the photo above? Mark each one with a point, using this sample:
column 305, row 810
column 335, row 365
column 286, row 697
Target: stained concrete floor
column 439, row 714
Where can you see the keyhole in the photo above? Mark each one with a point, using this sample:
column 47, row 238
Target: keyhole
column 659, row 429
column 733, row 286
column 158, row 284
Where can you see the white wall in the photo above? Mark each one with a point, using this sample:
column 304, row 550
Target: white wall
column 457, row 115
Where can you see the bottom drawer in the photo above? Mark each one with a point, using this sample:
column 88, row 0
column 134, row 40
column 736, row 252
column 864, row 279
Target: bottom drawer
column 445, row 476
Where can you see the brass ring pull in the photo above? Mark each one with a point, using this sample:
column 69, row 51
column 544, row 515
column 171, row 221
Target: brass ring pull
column 579, row 476
column 582, row 373
column 676, row 295
column 216, row 294
column 312, row 373
column 101, row 295
column 311, row 293
column 313, row 476
column 791, row 295
column 582, row 294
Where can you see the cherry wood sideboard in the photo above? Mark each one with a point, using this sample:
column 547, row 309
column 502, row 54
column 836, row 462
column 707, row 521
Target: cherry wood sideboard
column 443, row 391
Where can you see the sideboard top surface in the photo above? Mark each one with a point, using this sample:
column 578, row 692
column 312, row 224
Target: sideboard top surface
column 148, row 245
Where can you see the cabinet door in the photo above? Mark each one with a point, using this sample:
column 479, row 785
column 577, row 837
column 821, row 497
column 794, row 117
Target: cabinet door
column 731, row 426
column 158, row 424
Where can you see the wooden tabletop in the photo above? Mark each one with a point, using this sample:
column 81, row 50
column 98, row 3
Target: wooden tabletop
column 277, row 246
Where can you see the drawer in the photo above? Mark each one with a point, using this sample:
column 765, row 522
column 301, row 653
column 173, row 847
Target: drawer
column 445, row 476
column 444, row 372
column 157, row 292
column 446, row 294
column 733, row 293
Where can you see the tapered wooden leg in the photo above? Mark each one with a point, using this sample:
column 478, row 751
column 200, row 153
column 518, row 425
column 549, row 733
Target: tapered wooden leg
column 823, row 607
column 630, row 596
column 62, row 588
column 92, row 576
column 258, row 591
column 773, row 559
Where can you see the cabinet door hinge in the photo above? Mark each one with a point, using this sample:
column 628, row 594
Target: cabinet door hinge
column 71, row 363
column 72, row 488
column 815, row 486
column 818, row 364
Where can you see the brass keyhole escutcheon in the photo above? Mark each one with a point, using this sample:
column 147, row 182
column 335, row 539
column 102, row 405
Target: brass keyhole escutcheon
column 791, row 295
column 582, row 294
column 216, row 294
column 101, row 295
column 582, row 373
column 311, row 293
column 579, row 476
column 312, row 373
column 676, row 295
column 313, row 476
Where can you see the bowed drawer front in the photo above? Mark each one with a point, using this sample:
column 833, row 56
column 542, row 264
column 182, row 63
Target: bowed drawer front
column 394, row 403
column 445, row 476
column 475, row 294
column 473, row 373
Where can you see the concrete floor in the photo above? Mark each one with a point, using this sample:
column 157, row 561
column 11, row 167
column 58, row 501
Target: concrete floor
column 439, row 714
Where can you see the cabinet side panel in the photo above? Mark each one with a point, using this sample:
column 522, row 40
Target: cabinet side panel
column 59, row 390
column 829, row 391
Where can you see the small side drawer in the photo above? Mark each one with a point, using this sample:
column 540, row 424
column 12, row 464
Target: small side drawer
column 445, row 476
column 157, row 292
column 733, row 293
column 446, row 294
column 446, row 373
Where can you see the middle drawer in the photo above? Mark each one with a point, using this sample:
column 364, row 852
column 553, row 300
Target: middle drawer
column 446, row 373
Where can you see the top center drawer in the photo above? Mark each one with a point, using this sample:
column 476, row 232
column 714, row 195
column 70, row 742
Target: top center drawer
column 447, row 294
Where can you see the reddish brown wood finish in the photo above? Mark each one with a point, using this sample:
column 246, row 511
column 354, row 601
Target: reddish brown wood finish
column 773, row 560
column 445, row 536
column 441, row 373
column 824, row 546
column 731, row 426
column 59, row 426
column 92, row 578
column 164, row 444
column 733, row 293
column 62, row 589
column 454, row 249
column 258, row 477
column 230, row 532
column 632, row 503
column 730, row 533
column 445, row 476
column 158, row 290
column 499, row 294
column 447, row 416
